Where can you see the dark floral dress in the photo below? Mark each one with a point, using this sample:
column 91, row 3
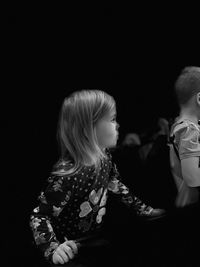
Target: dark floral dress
column 73, row 206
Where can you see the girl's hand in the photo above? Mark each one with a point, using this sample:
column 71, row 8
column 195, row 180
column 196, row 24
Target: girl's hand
column 65, row 252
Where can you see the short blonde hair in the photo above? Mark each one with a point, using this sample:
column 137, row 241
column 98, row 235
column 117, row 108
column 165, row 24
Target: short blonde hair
column 187, row 84
column 76, row 132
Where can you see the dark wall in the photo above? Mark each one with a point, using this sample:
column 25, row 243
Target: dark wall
column 134, row 57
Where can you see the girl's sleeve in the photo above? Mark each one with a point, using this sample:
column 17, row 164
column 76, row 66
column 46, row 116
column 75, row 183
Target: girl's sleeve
column 128, row 198
column 51, row 203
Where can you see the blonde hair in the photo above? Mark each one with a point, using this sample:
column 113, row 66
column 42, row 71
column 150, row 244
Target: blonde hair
column 76, row 128
column 187, row 84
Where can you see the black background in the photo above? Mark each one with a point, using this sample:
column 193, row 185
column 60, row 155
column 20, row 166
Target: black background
column 134, row 53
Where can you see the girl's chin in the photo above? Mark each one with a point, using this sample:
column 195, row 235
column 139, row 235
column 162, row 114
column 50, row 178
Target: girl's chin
column 114, row 144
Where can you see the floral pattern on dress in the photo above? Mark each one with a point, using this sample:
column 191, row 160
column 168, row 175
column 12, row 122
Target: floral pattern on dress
column 100, row 214
column 37, row 227
column 57, row 186
column 63, row 207
column 52, row 247
column 85, row 209
column 35, row 222
column 67, row 198
column 117, row 187
column 56, row 211
column 38, row 235
column 92, row 205
column 104, row 198
column 42, row 198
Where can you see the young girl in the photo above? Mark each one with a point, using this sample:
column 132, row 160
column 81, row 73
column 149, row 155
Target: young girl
column 73, row 205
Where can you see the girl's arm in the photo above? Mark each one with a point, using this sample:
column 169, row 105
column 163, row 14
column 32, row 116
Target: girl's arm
column 128, row 198
column 52, row 201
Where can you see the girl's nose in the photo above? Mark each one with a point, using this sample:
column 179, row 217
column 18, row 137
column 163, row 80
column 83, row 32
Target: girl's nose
column 117, row 126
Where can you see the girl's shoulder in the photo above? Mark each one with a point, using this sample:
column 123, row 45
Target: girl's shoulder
column 62, row 166
column 67, row 169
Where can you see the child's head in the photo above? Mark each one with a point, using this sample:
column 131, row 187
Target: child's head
column 187, row 88
column 87, row 126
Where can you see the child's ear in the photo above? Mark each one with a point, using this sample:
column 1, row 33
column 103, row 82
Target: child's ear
column 198, row 98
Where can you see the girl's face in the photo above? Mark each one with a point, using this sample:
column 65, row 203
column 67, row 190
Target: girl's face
column 107, row 131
